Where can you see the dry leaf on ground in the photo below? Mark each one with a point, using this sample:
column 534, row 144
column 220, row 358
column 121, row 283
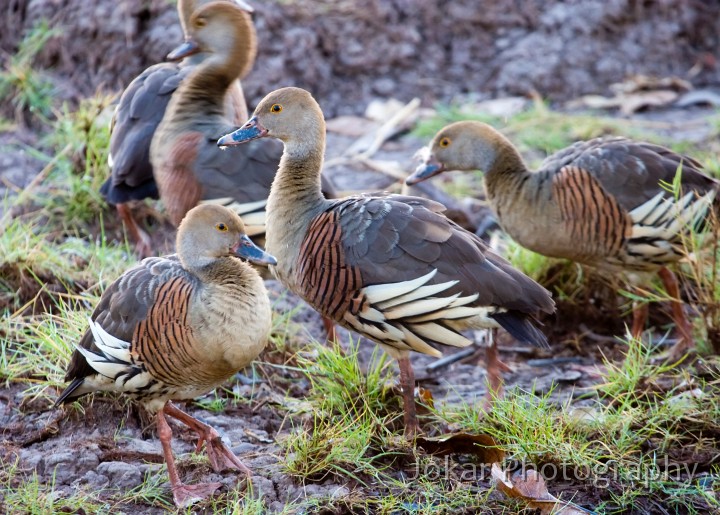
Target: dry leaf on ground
column 483, row 446
column 529, row 486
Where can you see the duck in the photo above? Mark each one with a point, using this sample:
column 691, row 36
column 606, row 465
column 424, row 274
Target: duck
column 605, row 202
column 187, row 164
column 391, row 268
column 175, row 327
column 136, row 117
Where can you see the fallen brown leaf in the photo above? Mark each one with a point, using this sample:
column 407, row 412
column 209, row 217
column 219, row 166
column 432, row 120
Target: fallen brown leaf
column 529, row 486
column 426, row 397
column 481, row 445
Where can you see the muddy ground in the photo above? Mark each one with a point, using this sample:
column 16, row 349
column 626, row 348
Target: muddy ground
column 347, row 52
column 109, row 447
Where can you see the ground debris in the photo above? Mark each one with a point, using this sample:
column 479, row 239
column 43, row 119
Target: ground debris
column 483, row 446
column 529, row 486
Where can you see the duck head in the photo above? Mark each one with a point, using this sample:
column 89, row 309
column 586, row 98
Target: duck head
column 210, row 232
column 465, row 146
column 187, row 7
column 289, row 114
column 219, row 28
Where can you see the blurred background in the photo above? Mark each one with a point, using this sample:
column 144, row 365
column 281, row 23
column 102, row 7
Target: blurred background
column 347, row 52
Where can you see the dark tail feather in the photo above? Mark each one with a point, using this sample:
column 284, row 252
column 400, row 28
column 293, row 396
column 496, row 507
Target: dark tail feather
column 521, row 327
column 65, row 397
column 105, row 187
column 122, row 193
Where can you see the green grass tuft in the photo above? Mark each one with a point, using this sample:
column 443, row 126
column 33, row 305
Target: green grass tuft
column 350, row 418
column 82, row 140
column 37, row 262
column 27, row 493
column 627, row 440
column 30, row 92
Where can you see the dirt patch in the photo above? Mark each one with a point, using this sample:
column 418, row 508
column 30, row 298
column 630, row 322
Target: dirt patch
column 348, row 52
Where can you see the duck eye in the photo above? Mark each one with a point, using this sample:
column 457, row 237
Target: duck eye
column 276, row 108
column 200, row 22
column 221, row 227
column 445, row 142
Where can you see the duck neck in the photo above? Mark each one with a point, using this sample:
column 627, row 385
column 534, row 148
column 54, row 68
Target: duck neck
column 505, row 171
column 202, row 94
column 224, row 271
column 295, row 199
column 204, row 91
column 185, row 9
column 297, row 183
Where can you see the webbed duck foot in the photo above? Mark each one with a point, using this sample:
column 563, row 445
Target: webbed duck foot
column 221, row 458
column 185, row 495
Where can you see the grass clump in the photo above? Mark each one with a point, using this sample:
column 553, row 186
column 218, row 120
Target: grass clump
column 38, row 263
column 21, row 492
column 445, row 115
column 427, row 496
column 350, row 423
column 645, row 435
column 30, row 92
column 36, row 349
column 49, row 283
column 82, row 142
column 534, row 265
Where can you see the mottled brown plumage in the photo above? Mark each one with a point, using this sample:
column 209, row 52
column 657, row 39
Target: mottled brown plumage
column 603, row 202
column 175, row 327
column 392, row 268
column 137, row 115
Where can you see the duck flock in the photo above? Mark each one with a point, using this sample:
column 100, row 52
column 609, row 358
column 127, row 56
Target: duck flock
column 391, row 268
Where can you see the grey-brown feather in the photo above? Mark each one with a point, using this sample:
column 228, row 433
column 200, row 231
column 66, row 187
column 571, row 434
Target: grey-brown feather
column 579, row 204
column 631, row 171
column 137, row 116
column 389, row 239
column 125, row 304
column 141, row 107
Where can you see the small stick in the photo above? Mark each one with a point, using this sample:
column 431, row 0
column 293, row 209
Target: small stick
column 545, row 362
column 386, row 130
column 449, row 360
column 34, row 183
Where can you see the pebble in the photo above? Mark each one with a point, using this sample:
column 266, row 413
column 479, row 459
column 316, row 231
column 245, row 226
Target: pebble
column 122, row 475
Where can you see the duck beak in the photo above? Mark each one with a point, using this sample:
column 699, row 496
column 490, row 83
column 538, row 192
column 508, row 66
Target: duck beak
column 426, row 170
column 248, row 132
column 247, row 250
column 189, row 47
column 244, row 6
